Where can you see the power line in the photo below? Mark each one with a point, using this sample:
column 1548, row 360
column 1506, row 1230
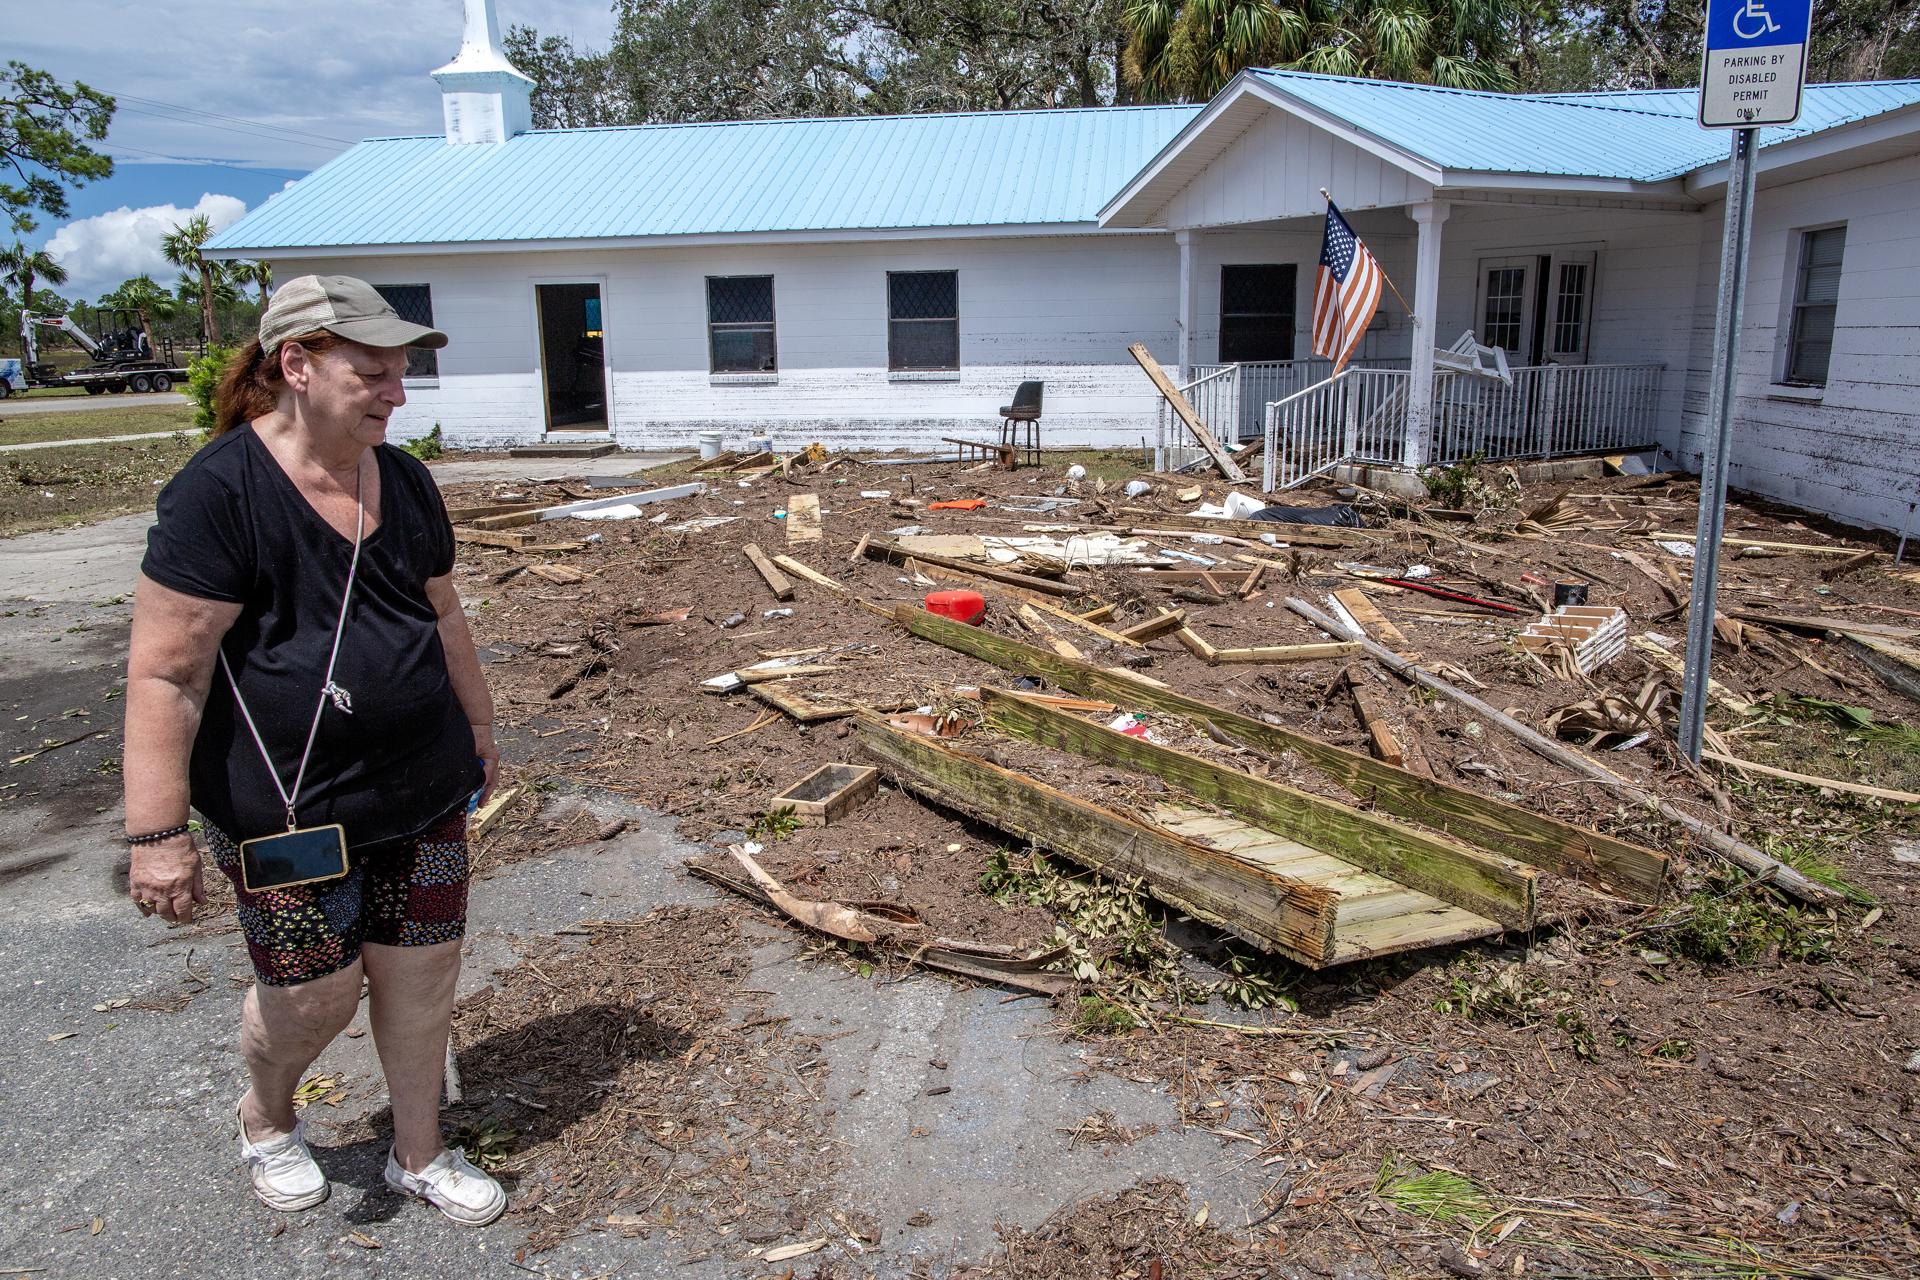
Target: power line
column 218, row 164
column 251, row 133
column 215, row 115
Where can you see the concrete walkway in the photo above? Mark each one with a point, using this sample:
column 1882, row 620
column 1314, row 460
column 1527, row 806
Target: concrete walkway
column 16, row 405
column 61, row 444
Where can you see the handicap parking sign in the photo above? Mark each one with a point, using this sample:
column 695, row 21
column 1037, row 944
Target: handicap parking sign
column 1755, row 64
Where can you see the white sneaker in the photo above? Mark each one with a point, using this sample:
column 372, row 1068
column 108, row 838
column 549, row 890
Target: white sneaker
column 284, row 1174
column 452, row 1185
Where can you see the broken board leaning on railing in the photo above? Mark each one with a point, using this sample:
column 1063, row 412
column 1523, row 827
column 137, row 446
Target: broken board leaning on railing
column 1185, row 412
column 1621, row 868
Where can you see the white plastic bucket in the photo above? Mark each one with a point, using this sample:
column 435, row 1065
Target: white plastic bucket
column 710, row 446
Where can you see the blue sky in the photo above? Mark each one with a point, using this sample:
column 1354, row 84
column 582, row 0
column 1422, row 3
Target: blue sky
column 221, row 104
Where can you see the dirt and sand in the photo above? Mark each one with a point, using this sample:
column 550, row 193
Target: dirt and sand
column 1714, row 1086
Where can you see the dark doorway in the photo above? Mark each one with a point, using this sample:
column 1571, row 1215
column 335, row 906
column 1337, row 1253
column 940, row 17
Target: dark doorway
column 572, row 353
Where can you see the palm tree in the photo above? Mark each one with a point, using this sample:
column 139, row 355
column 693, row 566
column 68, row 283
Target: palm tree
column 257, row 272
column 182, row 248
column 21, row 266
column 141, row 293
column 1189, row 49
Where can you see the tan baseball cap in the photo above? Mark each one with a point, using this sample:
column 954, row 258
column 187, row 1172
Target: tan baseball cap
column 343, row 306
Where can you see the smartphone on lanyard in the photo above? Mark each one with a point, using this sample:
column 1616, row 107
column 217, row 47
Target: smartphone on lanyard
column 309, row 855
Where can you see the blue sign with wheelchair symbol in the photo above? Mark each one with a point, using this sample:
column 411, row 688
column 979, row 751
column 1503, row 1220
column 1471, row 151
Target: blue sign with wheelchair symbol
column 1755, row 62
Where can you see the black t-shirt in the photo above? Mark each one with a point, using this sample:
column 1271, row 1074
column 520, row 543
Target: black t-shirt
column 233, row 527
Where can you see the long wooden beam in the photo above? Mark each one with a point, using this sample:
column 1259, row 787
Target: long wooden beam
column 882, row 549
column 1271, row 911
column 1624, row 869
column 1496, row 887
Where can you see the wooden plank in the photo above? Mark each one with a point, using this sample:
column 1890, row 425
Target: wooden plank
column 489, row 813
column 1373, row 718
column 1155, row 627
column 1111, row 637
column 1624, row 869
column 775, row 580
column 1103, row 613
column 1896, row 665
column 460, row 515
column 1829, row 784
column 915, row 565
column 1299, row 535
column 514, row 519
column 814, row 576
column 801, row 707
column 1192, row 642
column 492, row 538
column 1820, row 626
column 1493, row 886
column 1038, row 625
column 1213, row 578
column 1271, row 911
column 881, row 548
column 1221, row 458
column 1801, row 548
column 1375, row 623
column 803, row 518
column 1289, row 652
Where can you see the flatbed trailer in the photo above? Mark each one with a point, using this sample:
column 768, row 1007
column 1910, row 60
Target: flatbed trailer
column 154, row 376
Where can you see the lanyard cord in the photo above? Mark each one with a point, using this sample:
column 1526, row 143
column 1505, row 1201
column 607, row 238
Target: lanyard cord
column 327, row 688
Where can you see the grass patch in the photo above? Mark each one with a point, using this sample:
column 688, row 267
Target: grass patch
column 120, row 420
column 1099, row 1016
column 79, row 484
column 1730, row 922
column 1835, row 740
column 1436, row 1195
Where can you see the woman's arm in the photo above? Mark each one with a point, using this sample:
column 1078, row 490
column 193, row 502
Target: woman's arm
column 463, row 667
column 169, row 666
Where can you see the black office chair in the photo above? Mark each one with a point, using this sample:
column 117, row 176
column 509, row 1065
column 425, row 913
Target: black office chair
column 1024, row 409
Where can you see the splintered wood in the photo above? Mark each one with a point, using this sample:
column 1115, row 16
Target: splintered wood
column 803, row 518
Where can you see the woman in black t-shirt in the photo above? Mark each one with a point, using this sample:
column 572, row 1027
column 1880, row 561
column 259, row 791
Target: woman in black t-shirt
column 300, row 663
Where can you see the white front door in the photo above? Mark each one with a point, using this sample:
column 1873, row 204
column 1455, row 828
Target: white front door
column 1538, row 308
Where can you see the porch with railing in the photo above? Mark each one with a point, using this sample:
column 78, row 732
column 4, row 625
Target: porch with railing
column 1312, row 423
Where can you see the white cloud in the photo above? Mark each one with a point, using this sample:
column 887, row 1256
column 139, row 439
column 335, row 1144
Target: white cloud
column 101, row 251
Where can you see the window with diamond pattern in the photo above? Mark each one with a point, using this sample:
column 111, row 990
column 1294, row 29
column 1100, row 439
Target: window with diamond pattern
column 740, row 324
column 414, row 302
column 1256, row 312
column 923, row 320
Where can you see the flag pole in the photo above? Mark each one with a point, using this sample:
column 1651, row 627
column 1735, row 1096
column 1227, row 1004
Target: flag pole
column 1383, row 271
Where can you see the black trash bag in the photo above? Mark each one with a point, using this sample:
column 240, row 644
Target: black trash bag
column 1340, row 515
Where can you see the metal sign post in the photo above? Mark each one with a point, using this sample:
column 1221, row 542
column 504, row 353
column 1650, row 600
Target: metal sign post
column 1752, row 72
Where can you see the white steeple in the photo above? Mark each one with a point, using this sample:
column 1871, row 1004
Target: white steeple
column 485, row 97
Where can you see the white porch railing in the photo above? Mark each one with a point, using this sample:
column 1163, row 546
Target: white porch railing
column 1361, row 415
column 1261, row 383
column 1550, row 411
column 1215, row 396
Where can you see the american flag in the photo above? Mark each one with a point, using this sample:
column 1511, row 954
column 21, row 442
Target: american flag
column 1346, row 294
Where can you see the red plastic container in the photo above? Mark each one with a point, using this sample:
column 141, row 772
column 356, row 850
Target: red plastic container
column 961, row 606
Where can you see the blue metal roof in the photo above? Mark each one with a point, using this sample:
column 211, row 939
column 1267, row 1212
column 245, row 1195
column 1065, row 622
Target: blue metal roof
column 1002, row 168
column 1639, row 135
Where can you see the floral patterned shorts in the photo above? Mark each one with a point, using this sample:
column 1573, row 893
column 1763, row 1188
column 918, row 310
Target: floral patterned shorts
column 410, row 892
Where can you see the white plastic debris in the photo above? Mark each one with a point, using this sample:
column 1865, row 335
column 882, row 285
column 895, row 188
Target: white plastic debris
column 1137, row 488
column 1241, row 506
column 625, row 511
column 876, row 493
column 1076, row 472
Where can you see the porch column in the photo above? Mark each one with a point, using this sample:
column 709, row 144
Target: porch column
column 1185, row 240
column 1429, row 216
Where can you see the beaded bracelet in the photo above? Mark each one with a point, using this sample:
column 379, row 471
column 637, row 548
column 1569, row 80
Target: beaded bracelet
column 155, row 837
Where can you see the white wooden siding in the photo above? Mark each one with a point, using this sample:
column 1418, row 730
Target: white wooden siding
column 1275, row 170
column 1059, row 309
column 1854, row 452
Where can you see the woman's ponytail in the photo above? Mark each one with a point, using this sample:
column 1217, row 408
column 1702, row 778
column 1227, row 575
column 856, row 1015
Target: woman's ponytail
column 251, row 386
